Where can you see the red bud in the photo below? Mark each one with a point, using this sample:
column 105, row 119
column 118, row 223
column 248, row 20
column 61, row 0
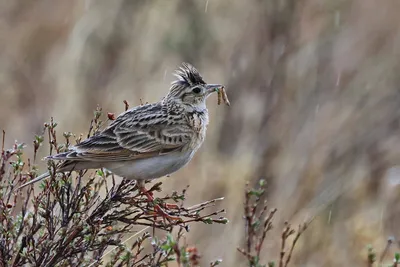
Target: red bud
column 111, row 116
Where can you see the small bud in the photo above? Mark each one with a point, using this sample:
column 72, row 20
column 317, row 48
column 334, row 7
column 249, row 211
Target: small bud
column 207, row 220
column 222, row 220
column 126, row 105
column 215, row 263
column 67, row 134
column 191, row 249
column 111, row 116
column 9, row 206
column 109, row 228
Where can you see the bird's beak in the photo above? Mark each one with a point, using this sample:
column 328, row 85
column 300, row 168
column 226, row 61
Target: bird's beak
column 211, row 88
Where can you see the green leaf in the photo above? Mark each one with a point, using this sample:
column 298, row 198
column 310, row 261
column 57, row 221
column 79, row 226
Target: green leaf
column 170, row 239
column 39, row 139
column 222, row 220
column 21, row 146
column 256, row 224
column 216, row 263
column 100, row 172
column 207, row 220
column 256, row 193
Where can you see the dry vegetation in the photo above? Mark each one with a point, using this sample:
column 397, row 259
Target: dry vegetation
column 314, row 109
column 78, row 221
column 93, row 220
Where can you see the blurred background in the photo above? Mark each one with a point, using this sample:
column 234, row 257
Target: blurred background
column 314, row 92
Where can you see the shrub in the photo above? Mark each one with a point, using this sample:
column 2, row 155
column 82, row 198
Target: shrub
column 69, row 223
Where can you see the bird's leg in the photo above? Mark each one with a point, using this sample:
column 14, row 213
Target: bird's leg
column 171, row 206
column 149, row 195
column 157, row 207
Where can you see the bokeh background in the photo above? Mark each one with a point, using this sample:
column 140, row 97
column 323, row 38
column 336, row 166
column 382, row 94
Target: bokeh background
column 314, row 88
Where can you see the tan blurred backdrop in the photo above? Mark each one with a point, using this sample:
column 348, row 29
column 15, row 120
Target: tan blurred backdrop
column 314, row 87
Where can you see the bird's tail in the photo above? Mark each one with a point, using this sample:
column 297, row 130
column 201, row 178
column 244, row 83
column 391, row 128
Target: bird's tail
column 37, row 179
column 67, row 165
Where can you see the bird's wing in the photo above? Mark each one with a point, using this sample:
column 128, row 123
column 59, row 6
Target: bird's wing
column 141, row 132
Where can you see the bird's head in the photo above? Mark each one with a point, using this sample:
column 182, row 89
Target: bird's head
column 190, row 90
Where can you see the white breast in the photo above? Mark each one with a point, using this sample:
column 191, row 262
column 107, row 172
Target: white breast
column 151, row 168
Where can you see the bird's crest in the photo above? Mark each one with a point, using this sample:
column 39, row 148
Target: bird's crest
column 187, row 76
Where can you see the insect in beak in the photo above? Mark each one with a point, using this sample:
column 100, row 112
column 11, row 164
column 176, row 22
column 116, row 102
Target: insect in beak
column 211, row 88
column 222, row 95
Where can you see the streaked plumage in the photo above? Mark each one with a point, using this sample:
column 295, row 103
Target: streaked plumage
column 149, row 141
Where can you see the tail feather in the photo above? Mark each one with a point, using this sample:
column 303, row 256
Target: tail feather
column 66, row 166
column 37, row 179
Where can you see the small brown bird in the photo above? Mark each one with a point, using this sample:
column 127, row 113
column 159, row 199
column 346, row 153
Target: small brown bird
column 148, row 141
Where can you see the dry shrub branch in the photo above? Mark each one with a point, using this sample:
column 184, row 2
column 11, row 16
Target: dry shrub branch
column 84, row 219
column 68, row 222
column 258, row 222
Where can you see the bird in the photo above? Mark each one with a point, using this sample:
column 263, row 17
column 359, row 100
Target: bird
column 148, row 141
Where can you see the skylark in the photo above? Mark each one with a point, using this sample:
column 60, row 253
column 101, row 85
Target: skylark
column 148, row 141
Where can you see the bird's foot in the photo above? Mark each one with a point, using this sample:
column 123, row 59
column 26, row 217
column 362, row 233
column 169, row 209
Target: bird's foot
column 159, row 208
column 170, row 206
column 161, row 212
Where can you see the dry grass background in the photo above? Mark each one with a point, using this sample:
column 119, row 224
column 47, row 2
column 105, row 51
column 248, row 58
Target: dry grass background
column 314, row 88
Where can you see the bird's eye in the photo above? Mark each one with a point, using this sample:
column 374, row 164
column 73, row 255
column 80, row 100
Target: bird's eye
column 196, row 90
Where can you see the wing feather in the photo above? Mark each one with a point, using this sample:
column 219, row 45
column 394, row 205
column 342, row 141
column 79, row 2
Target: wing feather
column 141, row 132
